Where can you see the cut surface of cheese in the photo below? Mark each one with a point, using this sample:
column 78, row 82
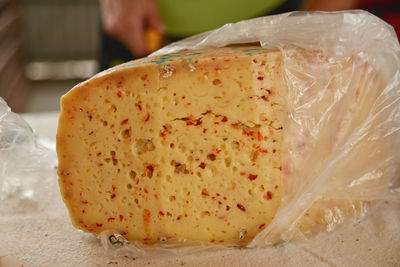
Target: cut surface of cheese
column 185, row 145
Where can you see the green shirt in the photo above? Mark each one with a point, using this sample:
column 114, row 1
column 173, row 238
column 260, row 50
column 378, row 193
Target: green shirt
column 187, row 17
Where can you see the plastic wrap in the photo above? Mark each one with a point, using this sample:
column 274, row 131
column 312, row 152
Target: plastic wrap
column 342, row 129
column 27, row 169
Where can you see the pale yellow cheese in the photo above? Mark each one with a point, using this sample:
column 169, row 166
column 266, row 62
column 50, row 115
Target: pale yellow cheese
column 186, row 145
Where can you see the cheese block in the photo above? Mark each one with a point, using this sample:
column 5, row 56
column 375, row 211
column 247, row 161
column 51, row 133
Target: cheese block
column 185, row 145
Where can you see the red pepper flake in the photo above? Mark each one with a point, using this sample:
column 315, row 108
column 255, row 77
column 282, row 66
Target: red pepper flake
column 124, row 121
column 147, row 239
column 204, row 192
column 224, row 198
column 260, row 78
column 276, row 186
column 198, row 122
column 204, row 130
column 99, row 154
column 99, row 224
column 121, row 217
column 179, row 218
column 268, row 195
column 216, row 122
column 221, row 241
column 124, row 233
column 213, row 240
column 83, row 211
column 252, row 177
column 110, row 219
column 139, row 107
column 261, row 226
column 217, row 194
column 260, row 137
column 84, row 201
column 218, row 150
column 249, row 133
column 224, row 119
column 189, row 123
column 119, row 94
column 91, row 133
column 219, row 203
column 211, row 156
column 112, row 196
column 161, row 213
column 145, row 190
column 146, row 218
column 150, row 168
column 147, row 118
column 268, row 91
column 228, row 208
column 242, row 173
column 241, row 207
column 90, row 117
column 113, row 188
column 202, row 165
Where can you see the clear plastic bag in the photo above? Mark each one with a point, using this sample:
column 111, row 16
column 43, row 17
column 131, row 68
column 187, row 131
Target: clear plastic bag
column 27, row 169
column 342, row 129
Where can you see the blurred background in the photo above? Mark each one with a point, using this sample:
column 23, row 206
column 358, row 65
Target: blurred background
column 48, row 46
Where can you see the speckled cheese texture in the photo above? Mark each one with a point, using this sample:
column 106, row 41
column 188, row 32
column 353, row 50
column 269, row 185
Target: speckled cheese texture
column 186, row 145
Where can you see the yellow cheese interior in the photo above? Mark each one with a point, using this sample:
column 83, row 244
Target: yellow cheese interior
column 186, row 145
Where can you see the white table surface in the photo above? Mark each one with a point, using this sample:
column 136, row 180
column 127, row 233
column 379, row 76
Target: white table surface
column 42, row 239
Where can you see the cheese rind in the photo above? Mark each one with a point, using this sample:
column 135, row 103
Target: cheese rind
column 185, row 145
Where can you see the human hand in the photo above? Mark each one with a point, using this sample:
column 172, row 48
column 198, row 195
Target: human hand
column 127, row 20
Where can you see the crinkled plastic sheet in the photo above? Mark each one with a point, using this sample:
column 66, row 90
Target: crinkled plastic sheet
column 27, row 169
column 342, row 129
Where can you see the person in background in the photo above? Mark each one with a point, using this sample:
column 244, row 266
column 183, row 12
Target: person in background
column 135, row 28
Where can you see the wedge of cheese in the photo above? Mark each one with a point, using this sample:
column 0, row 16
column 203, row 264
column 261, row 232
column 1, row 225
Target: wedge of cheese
column 185, row 145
